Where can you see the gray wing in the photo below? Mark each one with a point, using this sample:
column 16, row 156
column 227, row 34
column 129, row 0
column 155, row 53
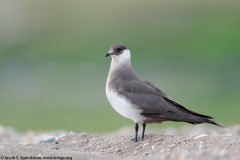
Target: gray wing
column 145, row 95
column 156, row 105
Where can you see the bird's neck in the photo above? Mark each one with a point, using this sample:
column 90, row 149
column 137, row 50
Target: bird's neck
column 116, row 70
column 120, row 64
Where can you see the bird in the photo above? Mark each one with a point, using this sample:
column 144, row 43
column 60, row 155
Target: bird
column 140, row 100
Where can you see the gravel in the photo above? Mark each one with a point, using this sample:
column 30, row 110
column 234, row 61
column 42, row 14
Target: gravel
column 193, row 142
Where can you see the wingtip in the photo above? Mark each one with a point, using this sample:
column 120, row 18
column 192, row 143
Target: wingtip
column 212, row 122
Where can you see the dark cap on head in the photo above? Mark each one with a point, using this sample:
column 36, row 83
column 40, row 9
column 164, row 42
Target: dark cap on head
column 116, row 49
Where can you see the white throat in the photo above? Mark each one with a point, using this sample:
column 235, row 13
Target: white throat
column 122, row 59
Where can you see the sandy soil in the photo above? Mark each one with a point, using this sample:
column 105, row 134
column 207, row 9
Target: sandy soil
column 192, row 142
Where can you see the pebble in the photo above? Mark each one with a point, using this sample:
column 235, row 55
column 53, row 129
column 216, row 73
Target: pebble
column 200, row 136
column 145, row 144
column 61, row 136
column 117, row 150
column 201, row 145
column 173, row 145
column 48, row 140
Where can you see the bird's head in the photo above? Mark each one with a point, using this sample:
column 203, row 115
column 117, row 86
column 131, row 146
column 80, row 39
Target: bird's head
column 119, row 53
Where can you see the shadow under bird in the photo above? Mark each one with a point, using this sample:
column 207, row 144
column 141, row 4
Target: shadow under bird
column 138, row 99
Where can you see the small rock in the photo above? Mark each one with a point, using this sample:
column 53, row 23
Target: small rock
column 61, row 136
column 172, row 145
column 117, row 150
column 145, row 144
column 201, row 145
column 47, row 140
column 200, row 136
column 159, row 140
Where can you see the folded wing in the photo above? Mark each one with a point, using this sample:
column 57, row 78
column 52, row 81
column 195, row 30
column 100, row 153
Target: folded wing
column 157, row 106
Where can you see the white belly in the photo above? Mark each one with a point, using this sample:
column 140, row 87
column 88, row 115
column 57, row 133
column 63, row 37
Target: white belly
column 124, row 107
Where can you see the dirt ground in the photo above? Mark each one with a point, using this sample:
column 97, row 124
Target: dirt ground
column 193, row 142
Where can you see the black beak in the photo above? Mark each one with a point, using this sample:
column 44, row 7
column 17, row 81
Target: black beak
column 108, row 54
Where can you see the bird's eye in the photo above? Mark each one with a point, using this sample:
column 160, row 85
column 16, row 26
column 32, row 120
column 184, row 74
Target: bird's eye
column 119, row 49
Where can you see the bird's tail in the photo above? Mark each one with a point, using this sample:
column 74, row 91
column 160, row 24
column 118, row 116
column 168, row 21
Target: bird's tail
column 205, row 120
column 185, row 115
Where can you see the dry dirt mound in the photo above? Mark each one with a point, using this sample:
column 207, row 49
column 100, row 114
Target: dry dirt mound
column 196, row 142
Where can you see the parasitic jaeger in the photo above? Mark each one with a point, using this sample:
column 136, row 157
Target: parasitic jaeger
column 138, row 99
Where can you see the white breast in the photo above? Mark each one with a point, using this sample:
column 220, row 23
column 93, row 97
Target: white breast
column 124, row 106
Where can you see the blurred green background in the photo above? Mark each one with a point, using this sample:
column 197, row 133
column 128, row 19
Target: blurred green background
column 53, row 70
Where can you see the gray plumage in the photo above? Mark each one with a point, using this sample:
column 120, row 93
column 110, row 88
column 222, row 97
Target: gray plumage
column 154, row 104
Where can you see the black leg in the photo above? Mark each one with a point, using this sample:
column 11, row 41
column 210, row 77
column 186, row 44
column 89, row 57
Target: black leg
column 144, row 125
column 136, row 132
